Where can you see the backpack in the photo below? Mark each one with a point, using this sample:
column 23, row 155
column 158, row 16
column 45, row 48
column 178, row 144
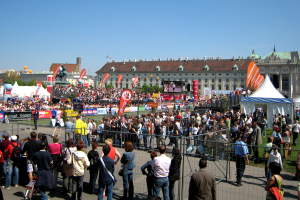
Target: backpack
column 16, row 154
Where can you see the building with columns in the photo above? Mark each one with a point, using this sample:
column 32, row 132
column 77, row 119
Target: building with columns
column 216, row 74
column 283, row 69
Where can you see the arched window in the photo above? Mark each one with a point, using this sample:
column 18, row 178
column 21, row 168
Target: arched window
column 157, row 68
column 206, row 68
column 113, row 69
column 235, row 67
column 133, row 68
column 180, row 68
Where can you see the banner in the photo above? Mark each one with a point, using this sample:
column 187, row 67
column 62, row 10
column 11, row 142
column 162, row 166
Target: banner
column 89, row 111
column 82, row 73
column 124, row 99
column 135, row 81
column 19, row 115
column 119, row 80
column 254, row 78
column 195, row 89
column 71, row 113
column 101, row 111
column 105, row 77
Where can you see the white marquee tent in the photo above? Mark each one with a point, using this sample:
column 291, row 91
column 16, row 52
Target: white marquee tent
column 268, row 97
column 29, row 91
column 297, row 102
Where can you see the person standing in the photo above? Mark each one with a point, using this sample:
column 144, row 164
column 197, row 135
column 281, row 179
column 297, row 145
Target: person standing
column 174, row 173
column 93, row 157
column 80, row 162
column 295, row 130
column 128, row 164
column 202, row 184
column 43, row 161
column 148, row 171
column 161, row 167
column 11, row 167
column 274, row 162
column 241, row 153
column 55, row 149
column 35, row 118
column 106, row 168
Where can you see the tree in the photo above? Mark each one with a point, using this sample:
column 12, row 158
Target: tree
column 11, row 76
column 109, row 86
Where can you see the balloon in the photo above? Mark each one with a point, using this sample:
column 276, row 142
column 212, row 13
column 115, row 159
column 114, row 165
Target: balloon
column 25, row 67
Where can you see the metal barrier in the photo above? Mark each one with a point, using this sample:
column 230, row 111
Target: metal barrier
column 213, row 145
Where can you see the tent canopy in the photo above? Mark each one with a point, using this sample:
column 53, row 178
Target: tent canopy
column 267, row 90
column 267, row 95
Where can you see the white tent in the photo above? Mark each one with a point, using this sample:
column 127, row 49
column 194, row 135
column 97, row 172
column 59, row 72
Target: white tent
column 29, row 91
column 267, row 96
column 297, row 102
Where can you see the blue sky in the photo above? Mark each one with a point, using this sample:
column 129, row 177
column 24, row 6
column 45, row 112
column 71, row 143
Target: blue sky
column 40, row 32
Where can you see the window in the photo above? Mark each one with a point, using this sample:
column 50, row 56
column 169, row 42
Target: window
column 205, row 80
column 199, row 86
column 180, row 68
column 285, row 83
column 113, row 69
column 133, row 68
column 168, row 74
column 220, row 80
column 213, row 80
column 213, row 87
column 227, row 87
column 220, row 87
column 157, row 68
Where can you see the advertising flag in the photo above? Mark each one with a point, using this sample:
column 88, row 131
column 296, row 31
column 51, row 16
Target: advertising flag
column 135, row 81
column 124, row 99
column 105, row 77
column 119, row 80
column 82, row 73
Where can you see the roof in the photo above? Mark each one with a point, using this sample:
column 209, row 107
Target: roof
column 266, row 100
column 267, row 90
column 283, row 55
column 69, row 67
column 216, row 65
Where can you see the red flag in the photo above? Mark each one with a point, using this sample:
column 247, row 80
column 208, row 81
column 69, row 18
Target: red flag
column 82, row 73
column 105, row 77
column 124, row 99
column 120, row 77
column 135, row 80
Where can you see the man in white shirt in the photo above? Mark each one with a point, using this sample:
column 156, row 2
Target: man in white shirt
column 295, row 130
column 161, row 166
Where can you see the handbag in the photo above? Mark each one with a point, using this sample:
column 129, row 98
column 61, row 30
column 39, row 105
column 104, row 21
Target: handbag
column 68, row 169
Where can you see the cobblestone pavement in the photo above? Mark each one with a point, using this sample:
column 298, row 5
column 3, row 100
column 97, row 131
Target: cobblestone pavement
column 253, row 182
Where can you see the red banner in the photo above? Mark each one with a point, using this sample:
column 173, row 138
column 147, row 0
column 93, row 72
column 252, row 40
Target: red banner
column 135, row 81
column 124, row 99
column 195, row 89
column 82, row 73
column 120, row 77
column 49, row 88
column 105, row 77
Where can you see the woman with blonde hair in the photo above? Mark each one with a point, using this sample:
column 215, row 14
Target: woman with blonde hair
column 113, row 154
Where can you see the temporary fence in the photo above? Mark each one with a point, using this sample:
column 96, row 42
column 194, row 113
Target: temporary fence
column 212, row 145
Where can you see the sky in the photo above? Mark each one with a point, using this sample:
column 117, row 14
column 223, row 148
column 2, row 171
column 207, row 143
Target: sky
column 37, row 33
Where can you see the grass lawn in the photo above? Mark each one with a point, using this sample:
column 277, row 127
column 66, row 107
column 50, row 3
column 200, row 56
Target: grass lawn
column 289, row 163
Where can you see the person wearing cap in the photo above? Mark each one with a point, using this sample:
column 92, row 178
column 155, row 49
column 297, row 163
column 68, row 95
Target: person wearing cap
column 11, row 169
column 241, row 153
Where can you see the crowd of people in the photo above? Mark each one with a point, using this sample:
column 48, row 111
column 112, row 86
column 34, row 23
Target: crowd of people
column 146, row 132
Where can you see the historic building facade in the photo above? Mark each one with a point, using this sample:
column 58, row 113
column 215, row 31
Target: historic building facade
column 283, row 69
column 216, row 74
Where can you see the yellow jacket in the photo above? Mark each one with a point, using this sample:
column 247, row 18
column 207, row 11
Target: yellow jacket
column 80, row 127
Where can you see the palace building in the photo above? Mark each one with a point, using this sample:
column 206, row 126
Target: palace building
column 214, row 73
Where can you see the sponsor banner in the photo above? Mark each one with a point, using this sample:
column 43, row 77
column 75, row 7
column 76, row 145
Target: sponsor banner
column 102, row 111
column 152, row 104
column 71, row 113
column 1, row 115
column 45, row 114
column 142, row 108
column 89, row 111
column 19, row 115
column 124, row 99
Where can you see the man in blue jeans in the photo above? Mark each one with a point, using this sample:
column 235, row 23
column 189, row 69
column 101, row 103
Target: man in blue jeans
column 106, row 171
column 161, row 166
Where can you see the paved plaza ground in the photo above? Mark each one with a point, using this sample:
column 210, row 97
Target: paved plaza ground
column 253, row 182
